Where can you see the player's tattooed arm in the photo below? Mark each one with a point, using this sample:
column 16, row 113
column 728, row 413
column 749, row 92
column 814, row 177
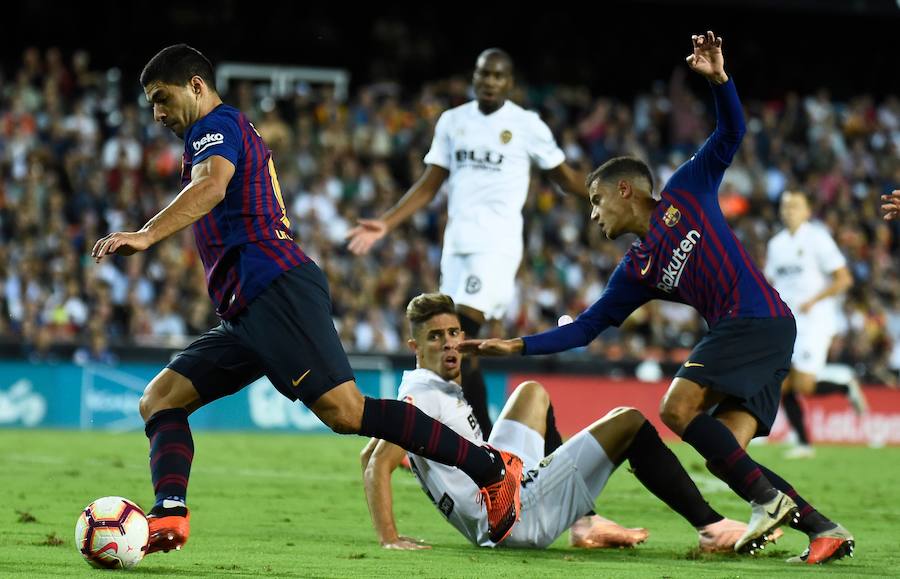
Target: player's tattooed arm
column 209, row 180
column 379, row 460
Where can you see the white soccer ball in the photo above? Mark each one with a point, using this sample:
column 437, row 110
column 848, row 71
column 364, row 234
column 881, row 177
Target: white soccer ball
column 564, row 320
column 112, row 533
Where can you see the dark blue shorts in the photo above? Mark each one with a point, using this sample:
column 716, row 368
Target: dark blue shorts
column 286, row 333
column 746, row 359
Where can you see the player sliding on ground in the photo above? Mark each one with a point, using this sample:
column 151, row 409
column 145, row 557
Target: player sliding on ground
column 727, row 392
column 557, row 489
column 274, row 305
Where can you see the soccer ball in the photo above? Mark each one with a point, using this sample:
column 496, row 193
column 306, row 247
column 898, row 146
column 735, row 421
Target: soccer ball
column 112, row 533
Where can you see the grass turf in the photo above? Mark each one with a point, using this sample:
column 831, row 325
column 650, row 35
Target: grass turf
column 293, row 506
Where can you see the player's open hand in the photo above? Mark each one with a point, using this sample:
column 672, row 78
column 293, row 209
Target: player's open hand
column 707, row 58
column 491, row 347
column 121, row 243
column 365, row 234
column 406, row 544
column 891, row 205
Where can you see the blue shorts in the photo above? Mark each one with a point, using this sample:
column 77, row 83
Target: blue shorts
column 286, row 333
column 746, row 359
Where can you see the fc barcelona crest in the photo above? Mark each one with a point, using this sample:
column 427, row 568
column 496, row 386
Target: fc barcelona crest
column 505, row 137
column 672, row 216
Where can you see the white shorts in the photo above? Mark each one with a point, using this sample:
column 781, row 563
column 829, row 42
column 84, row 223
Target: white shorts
column 482, row 281
column 812, row 345
column 557, row 490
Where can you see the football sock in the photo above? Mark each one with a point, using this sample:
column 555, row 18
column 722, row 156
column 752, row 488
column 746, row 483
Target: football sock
column 552, row 437
column 408, row 427
column 727, row 459
column 794, row 413
column 171, row 454
column 660, row 472
column 825, row 387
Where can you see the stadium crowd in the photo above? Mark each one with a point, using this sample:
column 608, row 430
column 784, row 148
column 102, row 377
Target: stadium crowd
column 81, row 156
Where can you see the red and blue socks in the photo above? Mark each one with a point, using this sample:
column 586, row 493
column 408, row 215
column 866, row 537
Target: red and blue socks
column 171, row 454
column 408, row 427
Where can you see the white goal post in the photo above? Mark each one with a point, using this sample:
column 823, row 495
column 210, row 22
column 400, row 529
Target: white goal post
column 283, row 79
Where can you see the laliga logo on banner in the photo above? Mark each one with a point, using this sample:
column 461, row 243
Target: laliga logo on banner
column 208, row 140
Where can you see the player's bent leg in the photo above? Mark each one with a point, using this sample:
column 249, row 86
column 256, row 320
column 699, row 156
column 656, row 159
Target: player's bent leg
column 528, row 405
column 168, row 390
column 165, row 406
column 683, row 401
column 802, row 382
column 498, row 473
column 766, row 516
column 341, row 408
column 797, row 382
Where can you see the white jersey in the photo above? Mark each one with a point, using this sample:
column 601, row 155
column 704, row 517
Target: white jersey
column 449, row 488
column 489, row 158
column 801, row 265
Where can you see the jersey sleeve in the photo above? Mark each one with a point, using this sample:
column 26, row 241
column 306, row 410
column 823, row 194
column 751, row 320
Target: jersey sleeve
column 620, row 298
column 542, row 148
column 702, row 173
column 441, row 151
column 828, row 254
column 215, row 134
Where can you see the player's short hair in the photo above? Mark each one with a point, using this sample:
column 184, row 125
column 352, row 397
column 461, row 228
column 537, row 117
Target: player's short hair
column 496, row 53
column 177, row 65
column 619, row 167
column 423, row 307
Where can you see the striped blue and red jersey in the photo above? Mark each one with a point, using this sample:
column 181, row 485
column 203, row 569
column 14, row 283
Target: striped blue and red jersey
column 245, row 242
column 689, row 255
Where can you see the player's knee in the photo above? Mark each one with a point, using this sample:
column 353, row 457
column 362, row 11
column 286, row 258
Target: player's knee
column 166, row 391
column 627, row 418
column 676, row 416
column 344, row 423
column 533, row 392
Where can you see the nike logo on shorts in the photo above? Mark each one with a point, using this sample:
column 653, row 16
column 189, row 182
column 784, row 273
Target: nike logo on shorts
column 297, row 381
column 688, row 364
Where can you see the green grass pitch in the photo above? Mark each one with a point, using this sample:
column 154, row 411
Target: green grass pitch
column 266, row 505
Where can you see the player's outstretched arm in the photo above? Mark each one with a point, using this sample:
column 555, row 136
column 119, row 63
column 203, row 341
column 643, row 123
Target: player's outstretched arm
column 569, row 179
column 492, row 347
column 891, row 205
column 379, row 460
column 209, row 180
column 362, row 237
column 707, row 58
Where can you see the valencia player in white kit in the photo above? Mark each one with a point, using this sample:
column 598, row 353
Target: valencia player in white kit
column 809, row 271
column 556, row 488
column 484, row 150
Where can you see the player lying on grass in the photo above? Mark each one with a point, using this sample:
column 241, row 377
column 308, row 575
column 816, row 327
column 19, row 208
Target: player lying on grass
column 728, row 390
column 556, row 489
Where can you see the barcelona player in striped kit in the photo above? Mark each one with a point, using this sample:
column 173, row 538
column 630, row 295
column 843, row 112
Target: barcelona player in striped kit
column 728, row 391
column 274, row 306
